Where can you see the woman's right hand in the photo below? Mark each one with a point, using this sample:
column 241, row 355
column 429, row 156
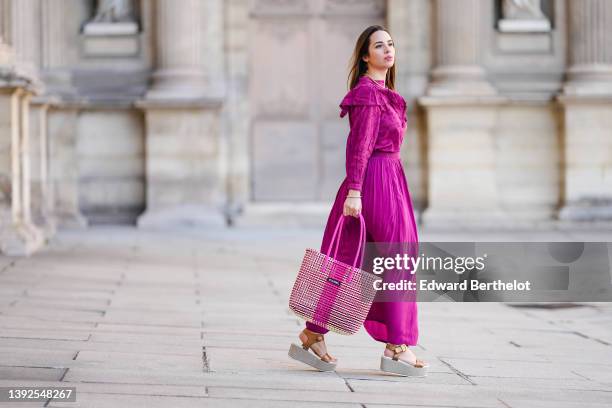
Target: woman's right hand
column 352, row 205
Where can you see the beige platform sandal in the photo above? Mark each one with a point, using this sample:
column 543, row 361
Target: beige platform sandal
column 396, row 366
column 321, row 360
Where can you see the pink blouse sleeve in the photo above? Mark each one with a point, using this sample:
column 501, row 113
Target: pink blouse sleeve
column 364, row 115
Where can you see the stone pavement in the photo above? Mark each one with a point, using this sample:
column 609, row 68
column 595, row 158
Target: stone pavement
column 136, row 318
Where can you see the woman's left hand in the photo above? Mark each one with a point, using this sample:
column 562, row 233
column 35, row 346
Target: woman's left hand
column 352, row 205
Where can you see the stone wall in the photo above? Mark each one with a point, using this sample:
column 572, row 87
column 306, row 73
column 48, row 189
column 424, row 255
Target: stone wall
column 180, row 112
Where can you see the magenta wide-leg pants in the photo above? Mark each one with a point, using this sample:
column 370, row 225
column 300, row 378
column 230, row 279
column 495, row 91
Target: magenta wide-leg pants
column 389, row 217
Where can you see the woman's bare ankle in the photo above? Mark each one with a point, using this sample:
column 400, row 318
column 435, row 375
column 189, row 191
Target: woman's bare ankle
column 407, row 355
column 303, row 337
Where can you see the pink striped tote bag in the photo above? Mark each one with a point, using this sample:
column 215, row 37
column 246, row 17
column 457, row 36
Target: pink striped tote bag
column 330, row 293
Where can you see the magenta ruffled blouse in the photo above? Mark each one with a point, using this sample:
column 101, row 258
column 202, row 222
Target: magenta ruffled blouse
column 377, row 117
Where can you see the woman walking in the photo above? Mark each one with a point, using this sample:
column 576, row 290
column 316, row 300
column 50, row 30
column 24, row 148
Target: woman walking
column 375, row 187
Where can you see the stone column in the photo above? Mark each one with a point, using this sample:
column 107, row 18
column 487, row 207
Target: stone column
column 461, row 108
column 587, row 101
column 64, row 171
column 590, row 52
column 184, row 150
column 237, row 111
column 59, row 32
column 459, row 30
column 25, row 162
column 18, row 236
column 5, row 49
column 60, row 21
column 410, row 24
column 41, row 188
column 189, row 46
column 26, row 37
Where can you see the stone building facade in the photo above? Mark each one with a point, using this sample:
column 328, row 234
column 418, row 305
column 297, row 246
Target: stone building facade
column 211, row 112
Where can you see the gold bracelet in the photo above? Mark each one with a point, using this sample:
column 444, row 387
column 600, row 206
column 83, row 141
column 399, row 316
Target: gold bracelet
column 349, row 196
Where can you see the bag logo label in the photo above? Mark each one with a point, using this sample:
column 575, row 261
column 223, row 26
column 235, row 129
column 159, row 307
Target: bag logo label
column 333, row 281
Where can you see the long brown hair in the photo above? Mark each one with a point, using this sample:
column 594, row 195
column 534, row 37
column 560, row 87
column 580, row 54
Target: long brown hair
column 359, row 66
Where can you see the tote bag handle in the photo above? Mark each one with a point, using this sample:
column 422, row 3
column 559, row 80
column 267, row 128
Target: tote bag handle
column 338, row 232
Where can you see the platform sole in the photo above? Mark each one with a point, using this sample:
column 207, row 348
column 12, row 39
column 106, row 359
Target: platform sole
column 304, row 356
column 388, row 365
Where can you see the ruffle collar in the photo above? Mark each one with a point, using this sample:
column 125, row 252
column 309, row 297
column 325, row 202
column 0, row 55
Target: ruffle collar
column 366, row 92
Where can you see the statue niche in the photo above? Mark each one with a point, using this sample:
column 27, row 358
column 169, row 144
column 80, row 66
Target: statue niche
column 113, row 17
column 523, row 16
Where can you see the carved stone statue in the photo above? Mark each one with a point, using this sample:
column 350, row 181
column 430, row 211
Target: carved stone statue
column 523, row 16
column 522, row 9
column 113, row 17
column 111, row 11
